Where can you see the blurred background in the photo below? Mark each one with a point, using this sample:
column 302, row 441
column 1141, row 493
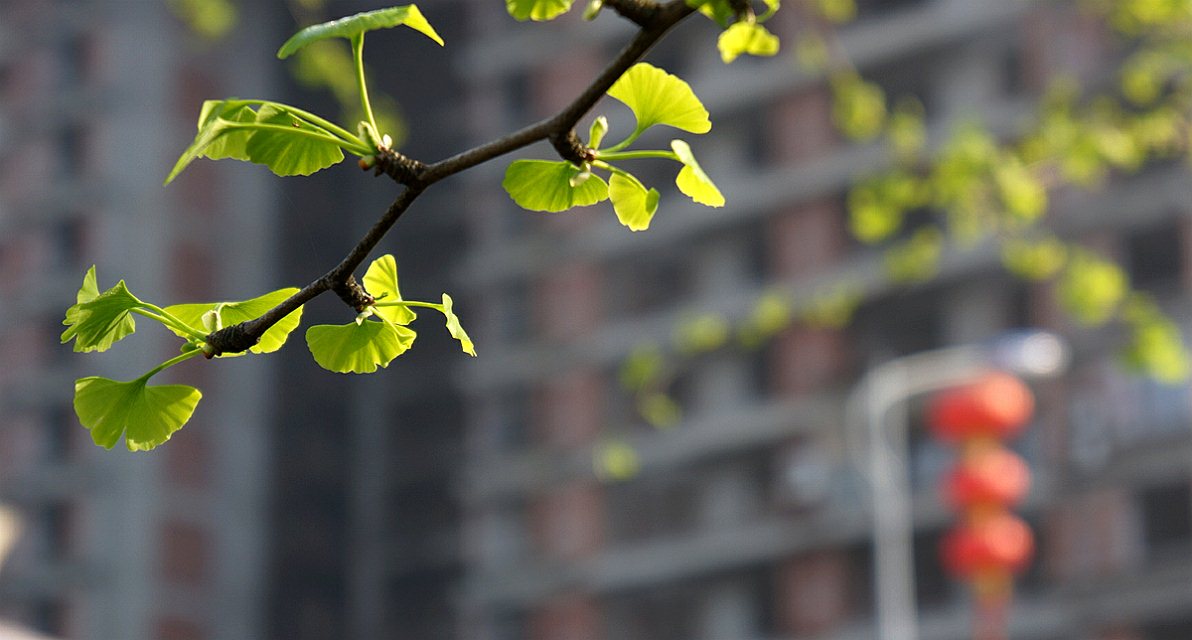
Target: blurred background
column 522, row 494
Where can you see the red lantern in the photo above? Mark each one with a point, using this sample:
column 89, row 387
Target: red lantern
column 987, row 477
column 996, row 406
column 999, row 545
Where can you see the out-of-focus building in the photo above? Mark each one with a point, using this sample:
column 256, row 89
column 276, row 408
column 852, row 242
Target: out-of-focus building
column 447, row 497
column 749, row 519
column 97, row 99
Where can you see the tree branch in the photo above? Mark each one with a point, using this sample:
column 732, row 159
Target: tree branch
column 655, row 20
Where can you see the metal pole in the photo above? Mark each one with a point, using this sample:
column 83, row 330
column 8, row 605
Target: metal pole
column 893, row 524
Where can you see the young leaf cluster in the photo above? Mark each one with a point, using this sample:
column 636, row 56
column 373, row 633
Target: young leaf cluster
column 656, row 98
column 289, row 140
column 292, row 141
column 146, row 415
column 379, row 333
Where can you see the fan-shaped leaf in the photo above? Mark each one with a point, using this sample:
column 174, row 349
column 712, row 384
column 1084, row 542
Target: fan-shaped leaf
column 721, row 11
column 542, row 185
column 231, row 141
column 98, row 320
column 292, row 151
column 230, row 313
column 692, row 180
column 454, row 328
column 218, row 135
column 146, row 415
column 657, row 97
column 635, row 206
column 358, row 348
column 352, row 26
column 381, row 281
column 746, row 38
column 537, row 10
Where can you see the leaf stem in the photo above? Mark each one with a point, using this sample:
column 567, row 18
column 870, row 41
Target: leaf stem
column 155, row 312
column 361, row 85
column 636, row 155
column 410, row 303
column 169, row 363
column 637, row 133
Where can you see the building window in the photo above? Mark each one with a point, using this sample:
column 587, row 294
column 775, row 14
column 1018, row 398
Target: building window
column 1167, row 519
column 1155, row 257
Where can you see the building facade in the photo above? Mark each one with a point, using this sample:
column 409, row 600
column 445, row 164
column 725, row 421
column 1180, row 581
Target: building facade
column 96, row 101
column 749, row 519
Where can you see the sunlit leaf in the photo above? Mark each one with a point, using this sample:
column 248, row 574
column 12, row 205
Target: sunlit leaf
column 537, row 10
column 859, row 107
column 616, row 460
column 811, row 52
column 230, row 313
column 659, row 410
column 1034, row 259
column 542, row 185
column 145, row 415
column 229, row 144
column 1023, row 194
column 692, row 180
column 352, row 26
column 634, row 204
column 1156, row 346
column 833, row 307
column 454, row 328
column 916, row 259
column 593, row 9
column 292, row 151
column 746, row 38
column 218, row 135
column 721, row 11
column 657, row 97
column 906, row 130
column 837, row 11
column 771, row 314
column 97, row 321
column 642, row 368
column 1091, row 288
column 701, row 333
column 358, row 347
column 381, row 282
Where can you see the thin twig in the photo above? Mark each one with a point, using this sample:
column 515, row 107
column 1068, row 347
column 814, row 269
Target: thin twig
column 558, row 129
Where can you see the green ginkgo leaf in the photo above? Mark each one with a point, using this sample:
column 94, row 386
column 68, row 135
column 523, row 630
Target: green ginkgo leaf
column 230, row 313
column 657, row 97
column 634, row 204
column 219, row 135
column 145, row 415
column 542, row 185
column 296, row 150
column 721, row 11
column 358, row 347
column 537, row 10
column 99, row 320
column 353, row 26
column 454, row 328
column 692, row 180
column 231, row 142
column 1092, row 288
column 381, row 282
column 746, row 38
